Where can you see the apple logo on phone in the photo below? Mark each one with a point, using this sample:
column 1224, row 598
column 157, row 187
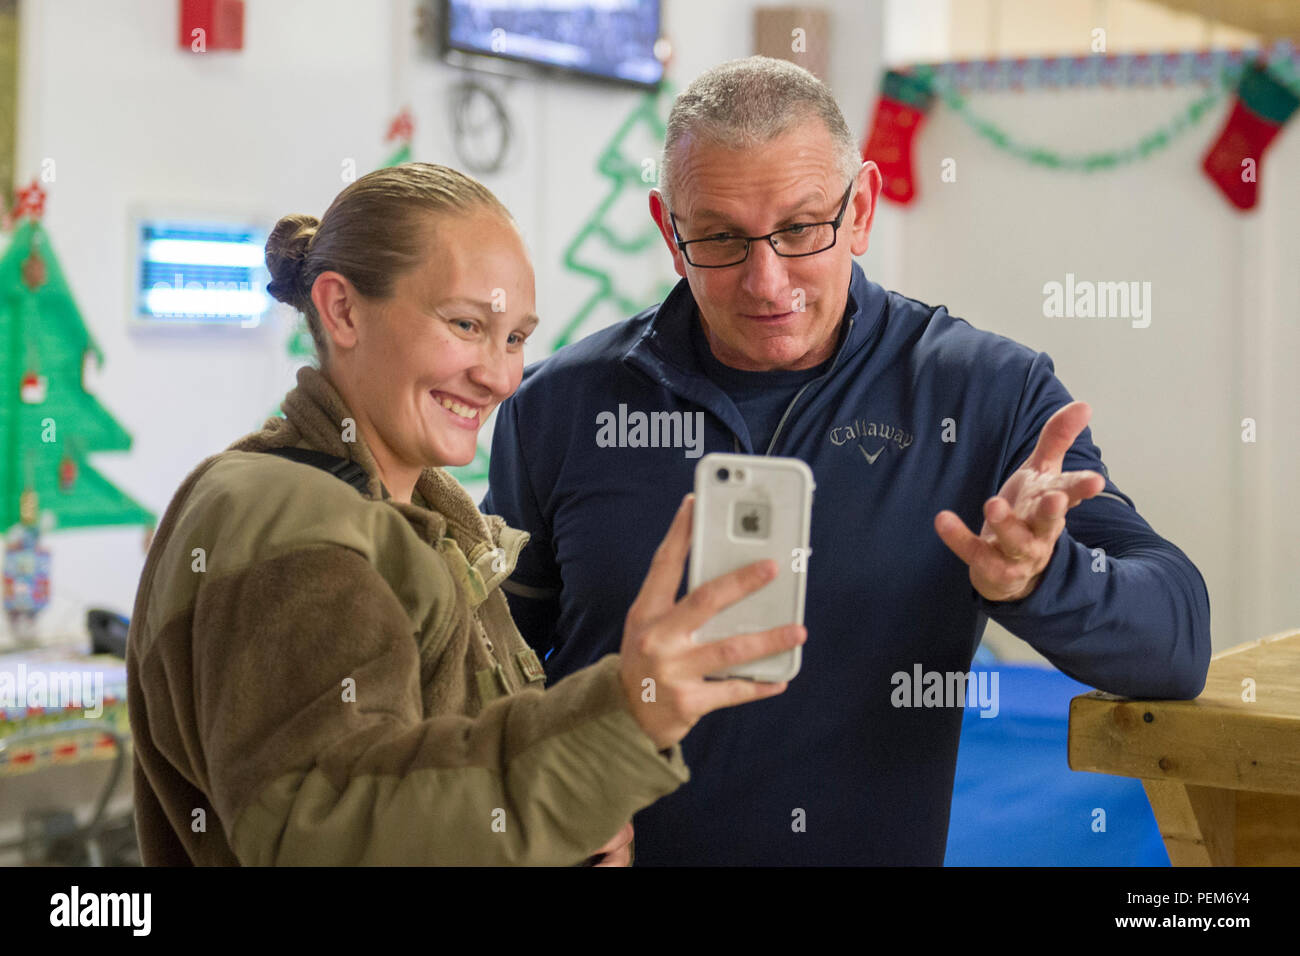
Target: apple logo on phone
column 751, row 520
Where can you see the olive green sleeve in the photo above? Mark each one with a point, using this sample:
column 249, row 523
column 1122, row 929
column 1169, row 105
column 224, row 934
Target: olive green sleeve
column 316, row 750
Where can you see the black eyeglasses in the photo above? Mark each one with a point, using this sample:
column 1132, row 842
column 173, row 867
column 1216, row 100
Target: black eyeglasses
column 722, row 250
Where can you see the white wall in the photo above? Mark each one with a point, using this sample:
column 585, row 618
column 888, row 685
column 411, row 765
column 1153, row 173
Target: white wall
column 129, row 118
column 1168, row 400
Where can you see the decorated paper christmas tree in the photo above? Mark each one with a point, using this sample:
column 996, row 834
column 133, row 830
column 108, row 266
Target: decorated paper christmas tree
column 48, row 421
column 620, row 229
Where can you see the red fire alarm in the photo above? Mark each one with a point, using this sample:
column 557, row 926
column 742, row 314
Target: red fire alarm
column 212, row 25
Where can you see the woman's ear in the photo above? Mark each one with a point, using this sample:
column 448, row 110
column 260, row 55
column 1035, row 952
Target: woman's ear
column 336, row 303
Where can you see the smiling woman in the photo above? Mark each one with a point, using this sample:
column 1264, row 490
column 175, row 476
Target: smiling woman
column 418, row 293
column 333, row 671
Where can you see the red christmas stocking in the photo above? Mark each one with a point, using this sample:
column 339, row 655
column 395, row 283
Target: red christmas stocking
column 904, row 100
column 1263, row 106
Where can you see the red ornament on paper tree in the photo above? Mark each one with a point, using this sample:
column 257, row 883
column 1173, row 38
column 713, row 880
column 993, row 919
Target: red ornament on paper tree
column 34, row 270
column 67, row 473
column 28, row 201
column 32, row 388
column 904, row 101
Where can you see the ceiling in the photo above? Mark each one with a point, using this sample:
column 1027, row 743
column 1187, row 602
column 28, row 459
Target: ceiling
column 1271, row 19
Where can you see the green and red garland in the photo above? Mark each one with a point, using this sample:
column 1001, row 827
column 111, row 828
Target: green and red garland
column 1264, row 101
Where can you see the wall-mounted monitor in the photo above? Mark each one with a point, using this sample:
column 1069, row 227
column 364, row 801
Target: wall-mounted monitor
column 607, row 39
column 192, row 272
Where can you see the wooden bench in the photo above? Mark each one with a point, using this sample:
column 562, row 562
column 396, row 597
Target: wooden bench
column 1222, row 771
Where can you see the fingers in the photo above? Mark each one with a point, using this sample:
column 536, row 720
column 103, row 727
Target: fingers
column 659, row 589
column 1013, row 537
column 1018, row 537
column 1047, row 515
column 1040, row 504
column 712, row 596
column 959, row 539
column 743, row 648
column 980, row 554
column 1058, row 435
column 996, row 569
column 1012, row 541
column 1081, row 485
column 732, row 693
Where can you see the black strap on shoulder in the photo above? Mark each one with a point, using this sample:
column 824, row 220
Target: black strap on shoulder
column 347, row 471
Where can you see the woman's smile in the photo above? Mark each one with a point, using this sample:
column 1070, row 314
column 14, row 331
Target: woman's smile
column 462, row 414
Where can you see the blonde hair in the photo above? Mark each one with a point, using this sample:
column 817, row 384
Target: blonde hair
column 374, row 231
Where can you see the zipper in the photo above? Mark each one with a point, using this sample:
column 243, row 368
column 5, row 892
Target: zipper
column 735, row 442
column 789, row 408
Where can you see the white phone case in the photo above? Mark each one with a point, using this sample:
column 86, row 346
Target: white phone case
column 761, row 509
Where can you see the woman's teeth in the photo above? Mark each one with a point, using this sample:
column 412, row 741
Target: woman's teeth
column 464, row 411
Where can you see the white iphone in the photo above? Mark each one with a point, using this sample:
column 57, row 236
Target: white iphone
column 747, row 508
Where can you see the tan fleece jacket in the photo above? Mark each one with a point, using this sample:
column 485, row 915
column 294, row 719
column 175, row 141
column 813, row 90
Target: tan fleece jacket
column 321, row 677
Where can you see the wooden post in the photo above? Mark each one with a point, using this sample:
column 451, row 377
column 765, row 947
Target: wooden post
column 801, row 35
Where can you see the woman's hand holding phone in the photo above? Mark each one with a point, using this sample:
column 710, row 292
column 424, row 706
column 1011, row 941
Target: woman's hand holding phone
column 663, row 669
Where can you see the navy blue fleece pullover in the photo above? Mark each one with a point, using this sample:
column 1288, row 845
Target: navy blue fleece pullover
column 832, row 771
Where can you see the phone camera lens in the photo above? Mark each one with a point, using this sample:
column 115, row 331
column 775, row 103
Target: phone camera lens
column 722, row 474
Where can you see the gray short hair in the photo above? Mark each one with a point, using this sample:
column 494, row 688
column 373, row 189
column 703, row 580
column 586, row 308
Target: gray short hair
column 745, row 103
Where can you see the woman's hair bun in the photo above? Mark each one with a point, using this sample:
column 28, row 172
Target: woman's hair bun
column 286, row 250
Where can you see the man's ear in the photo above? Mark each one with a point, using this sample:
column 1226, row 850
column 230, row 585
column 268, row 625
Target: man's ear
column 335, row 300
column 659, row 212
column 862, row 207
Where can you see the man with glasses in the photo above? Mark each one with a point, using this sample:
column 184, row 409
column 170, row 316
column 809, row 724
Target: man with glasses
column 918, row 428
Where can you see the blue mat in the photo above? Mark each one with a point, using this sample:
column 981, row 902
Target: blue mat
column 1016, row 802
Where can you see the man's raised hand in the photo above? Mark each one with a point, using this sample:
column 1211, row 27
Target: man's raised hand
column 1024, row 519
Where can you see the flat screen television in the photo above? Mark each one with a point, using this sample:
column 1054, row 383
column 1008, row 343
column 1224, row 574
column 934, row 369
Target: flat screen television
column 609, row 39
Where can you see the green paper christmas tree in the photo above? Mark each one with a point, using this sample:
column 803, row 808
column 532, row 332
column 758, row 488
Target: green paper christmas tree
column 620, row 227
column 48, row 421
